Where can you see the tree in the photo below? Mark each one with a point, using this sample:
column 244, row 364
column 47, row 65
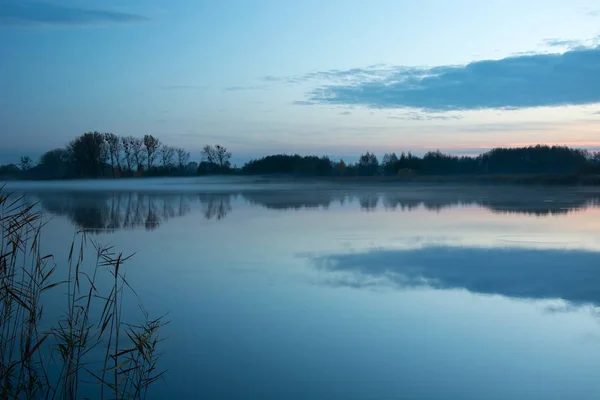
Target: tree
column 126, row 145
column 183, row 157
column 53, row 159
column 25, row 163
column 88, row 153
column 390, row 164
column 137, row 151
column 217, row 155
column 9, row 170
column 191, row 168
column 167, row 153
column 151, row 145
column 368, row 164
column 114, row 147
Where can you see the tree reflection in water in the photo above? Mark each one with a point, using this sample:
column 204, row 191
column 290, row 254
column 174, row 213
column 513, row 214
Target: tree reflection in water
column 111, row 211
column 100, row 212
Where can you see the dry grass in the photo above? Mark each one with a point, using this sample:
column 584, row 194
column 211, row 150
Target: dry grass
column 89, row 352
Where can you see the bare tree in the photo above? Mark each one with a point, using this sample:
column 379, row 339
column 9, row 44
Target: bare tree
column 216, row 155
column 183, row 157
column 137, row 151
column 166, row 155
column 25, row 163
column 152, row 146
column 128, row 152
column 114, row 150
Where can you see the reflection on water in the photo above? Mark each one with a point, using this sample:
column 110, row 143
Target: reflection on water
column 460, row 281
column 101, row 212
column 110, row 211
column 572, row 276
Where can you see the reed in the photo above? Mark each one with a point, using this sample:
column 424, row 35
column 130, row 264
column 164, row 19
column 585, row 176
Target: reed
column 89, row 352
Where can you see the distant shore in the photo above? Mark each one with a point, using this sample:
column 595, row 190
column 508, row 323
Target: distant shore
column 491, row 179
column 516, row 179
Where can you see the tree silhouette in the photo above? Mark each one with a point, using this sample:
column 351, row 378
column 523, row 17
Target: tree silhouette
column 217, row 155
column 92, row 154
column 114, row 147
column 25, row 163
column 368, row 164
column 183, row 157
column 137, row 150
column 290, row 164
column 88, row 153
column 128, row 157
column 167, row 153
column 389, row 163
column 151, row 145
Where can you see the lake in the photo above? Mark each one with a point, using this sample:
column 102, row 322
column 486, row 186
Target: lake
column 278, row 290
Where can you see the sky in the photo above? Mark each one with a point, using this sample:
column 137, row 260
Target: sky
column 324, row 77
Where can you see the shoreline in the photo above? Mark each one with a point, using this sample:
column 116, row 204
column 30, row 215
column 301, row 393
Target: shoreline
column 586, row 179
column 218, row 183
column 516, row 179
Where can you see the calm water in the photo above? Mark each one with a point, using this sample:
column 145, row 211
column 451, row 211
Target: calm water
column 286, row 292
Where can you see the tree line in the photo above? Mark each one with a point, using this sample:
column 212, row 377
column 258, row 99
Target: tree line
column 539, row 159
column 95, row 154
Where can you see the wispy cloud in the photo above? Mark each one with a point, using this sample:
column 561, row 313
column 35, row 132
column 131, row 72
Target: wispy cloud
column 346, row 113
column 26, row 13
column 239, row 88
column 271, row 78
column 572, row 44
column 516, row 82
column 183, row 87
column 418, row 116
column 303, row 103
column 339, row 75
column 509, row 127
column 563, row 43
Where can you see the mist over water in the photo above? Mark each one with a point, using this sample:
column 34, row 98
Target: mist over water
column 281, row 290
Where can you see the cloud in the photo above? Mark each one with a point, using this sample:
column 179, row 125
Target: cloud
column 345, row 113
column 515, row 82
column 508, row 127
column 563, row 43
column 351, row 75
column 572, row 44
column 303, row 103
column 416, row 116
column 26, row 13
column 183, row 87
column 271, row 78
column 239, row 88
column 348, row 75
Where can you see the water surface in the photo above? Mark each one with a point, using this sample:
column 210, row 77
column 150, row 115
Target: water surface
column 352, row 292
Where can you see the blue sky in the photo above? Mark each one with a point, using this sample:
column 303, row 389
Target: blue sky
column 323, row 77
